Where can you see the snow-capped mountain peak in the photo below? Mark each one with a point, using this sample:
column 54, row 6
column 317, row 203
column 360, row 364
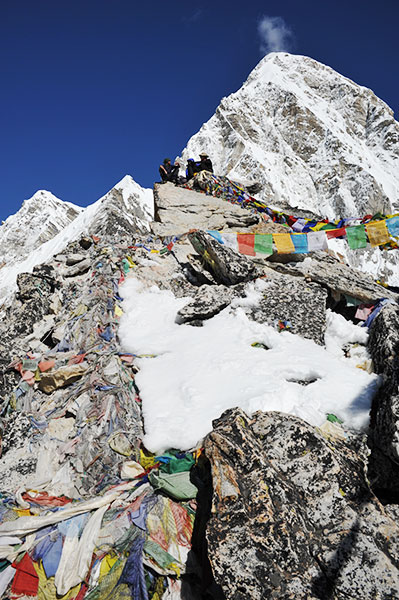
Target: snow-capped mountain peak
column 315, row 139
column 39, row 219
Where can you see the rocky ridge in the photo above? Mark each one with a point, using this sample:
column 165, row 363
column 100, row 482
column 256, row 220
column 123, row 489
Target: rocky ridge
column 74, row 429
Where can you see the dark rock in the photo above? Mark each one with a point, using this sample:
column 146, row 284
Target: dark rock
column 208, row 301
column 328, row 271
column 226, row 265
column 79, row 268
column 301, row 303
column 38, row 284
column 85, row 242
column 383, row 345
column 293, row 515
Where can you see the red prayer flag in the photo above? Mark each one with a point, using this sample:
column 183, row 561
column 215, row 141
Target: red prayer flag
column 246, row 243
column 26, row 581
column 333, row 233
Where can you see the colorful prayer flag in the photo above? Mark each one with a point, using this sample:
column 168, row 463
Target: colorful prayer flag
column 230, row 240
column 300, row 241
column 216, row 234
column 283, row 243
column 246, row 243
column 378, row 233
column 356, row 237
column 317, row 240
column 263, row 243
column 334, row 233
column 393, row 226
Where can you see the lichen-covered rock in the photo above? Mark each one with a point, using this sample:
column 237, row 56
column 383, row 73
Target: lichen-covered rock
column 293, row 515
column 208, row 301
column 288, row 299
column 383, row 345
column 328, row 271
column 228, row 267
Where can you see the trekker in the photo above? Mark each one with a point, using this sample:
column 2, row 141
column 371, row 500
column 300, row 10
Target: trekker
column 192, row 168
column 169, row 172
column 205, row 163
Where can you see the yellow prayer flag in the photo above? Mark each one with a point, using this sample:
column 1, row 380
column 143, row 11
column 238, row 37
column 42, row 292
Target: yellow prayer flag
column 118, row 311
column 318, row 226
column 378, row 233
column 283, row 243
column 106, row 564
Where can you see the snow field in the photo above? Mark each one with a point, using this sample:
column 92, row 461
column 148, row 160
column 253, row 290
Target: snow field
column 199, row 372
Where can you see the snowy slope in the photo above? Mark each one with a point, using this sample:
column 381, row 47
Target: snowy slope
column 39, row 219
column 126, row 205
column 315, row 139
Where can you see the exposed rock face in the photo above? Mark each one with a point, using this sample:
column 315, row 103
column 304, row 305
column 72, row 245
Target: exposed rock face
column 125, row 210
column 177, row 210
column 227, row 266
column 293, row 515
column 328, row 271
column 384, row 427
column 208, row 301
column 314, row 139
column 38, row 220
column 296, row 304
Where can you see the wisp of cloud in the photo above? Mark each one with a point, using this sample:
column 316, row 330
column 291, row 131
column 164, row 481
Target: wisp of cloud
column 275, row 35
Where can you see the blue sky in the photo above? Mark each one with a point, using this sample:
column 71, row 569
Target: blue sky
column 92, row 90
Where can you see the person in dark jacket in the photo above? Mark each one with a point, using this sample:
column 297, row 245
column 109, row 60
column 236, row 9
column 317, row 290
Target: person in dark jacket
column 205, row 163
column 192, row 168
column 169, row 172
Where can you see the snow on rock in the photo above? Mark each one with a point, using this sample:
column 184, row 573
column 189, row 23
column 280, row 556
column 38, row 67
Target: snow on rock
column 316, row 140
column 39, row 219
column 127, row 207
column 197, row 373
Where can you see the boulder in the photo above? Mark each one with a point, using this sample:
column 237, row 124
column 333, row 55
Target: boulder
column 338, row 277
column 78, row 268
column 227, row 266
column 383, row 345
column 293, row 515
column 288, row 299
column 208, row 301
column 177, row 210
column 73, row 259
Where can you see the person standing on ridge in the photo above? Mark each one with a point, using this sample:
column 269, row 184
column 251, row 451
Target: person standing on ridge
column 169, row 172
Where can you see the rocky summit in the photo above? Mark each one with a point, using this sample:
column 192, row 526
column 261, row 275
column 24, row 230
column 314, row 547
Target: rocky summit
column 188, row 410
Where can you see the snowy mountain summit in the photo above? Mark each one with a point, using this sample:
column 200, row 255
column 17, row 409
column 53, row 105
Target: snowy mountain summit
column 39, row 219
column 44, row 226
column 316, row 140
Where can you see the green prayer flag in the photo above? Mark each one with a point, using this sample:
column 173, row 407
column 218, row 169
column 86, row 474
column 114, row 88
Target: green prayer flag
column 356, row 237
column 263, row 243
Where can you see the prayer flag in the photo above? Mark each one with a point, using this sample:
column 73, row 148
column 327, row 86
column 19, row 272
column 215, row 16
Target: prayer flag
column 246, row 243
column 356, row 237
column 317, row 240
column 230, row 240
column 378, row 233
column 334, row 233
column 393, row 226
column 283, row 243
column 300, row 241
column 299, row 225
column 215, row 234
column 263, row 243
